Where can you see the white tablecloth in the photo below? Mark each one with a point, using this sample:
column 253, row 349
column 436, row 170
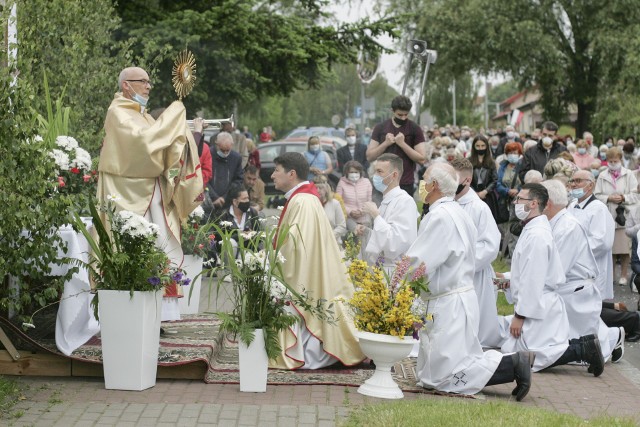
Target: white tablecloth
column 75, row 323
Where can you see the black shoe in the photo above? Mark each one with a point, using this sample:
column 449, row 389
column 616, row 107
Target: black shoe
column 522, row 363
column 633, row 337
column 592, row 354
column 618, row 350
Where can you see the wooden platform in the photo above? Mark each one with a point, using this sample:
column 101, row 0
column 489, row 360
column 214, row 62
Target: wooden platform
column 51, row 365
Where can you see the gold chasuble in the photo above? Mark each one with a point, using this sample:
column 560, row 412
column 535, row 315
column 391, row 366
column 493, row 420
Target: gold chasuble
column 138, row 153
column 314, row 264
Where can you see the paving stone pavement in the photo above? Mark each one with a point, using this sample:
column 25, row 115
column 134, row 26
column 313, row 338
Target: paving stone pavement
column 85, row 402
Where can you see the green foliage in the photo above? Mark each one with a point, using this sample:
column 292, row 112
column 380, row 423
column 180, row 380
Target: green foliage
column 28, row 212
column 57, row 120
column 245, row 50
column 72, row 41
column 439, row 98
column 258, row 290
column 461, row 412
column 9, row 394
column 563, row 47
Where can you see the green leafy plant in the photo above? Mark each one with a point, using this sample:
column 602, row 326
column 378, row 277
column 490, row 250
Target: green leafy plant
column 196, row 240
column 127, row 259
column 259, row 292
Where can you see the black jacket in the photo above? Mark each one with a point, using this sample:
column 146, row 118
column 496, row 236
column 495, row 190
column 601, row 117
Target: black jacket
column 359, row 155
column 537, row 157
column 226, row 172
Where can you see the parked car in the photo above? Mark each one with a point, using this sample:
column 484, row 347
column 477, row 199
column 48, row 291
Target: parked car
column 270, row 150
column 333, row 135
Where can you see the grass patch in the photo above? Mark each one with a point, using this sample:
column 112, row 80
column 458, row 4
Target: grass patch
column 457, row 412
column 10, row 394
column 500, row 265
column 504, row 308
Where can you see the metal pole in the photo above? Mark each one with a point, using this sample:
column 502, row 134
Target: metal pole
column 424, row 80
column 486, row 105
column 362, row 112
column 454, row 102
column 406, row 75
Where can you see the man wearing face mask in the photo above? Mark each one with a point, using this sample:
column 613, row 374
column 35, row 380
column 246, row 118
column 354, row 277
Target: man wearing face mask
column 539, row 322
column 547, row 149
column 487, row 245
column 450, row 357
column 354, row 150
column 151, row 166
column 395, row 224
column 227, row 169
column 402, row 137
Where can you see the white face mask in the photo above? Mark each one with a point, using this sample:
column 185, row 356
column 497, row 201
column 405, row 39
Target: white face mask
column 351, row 140
column 520, row 211
column 353, row 177
column 314, row 148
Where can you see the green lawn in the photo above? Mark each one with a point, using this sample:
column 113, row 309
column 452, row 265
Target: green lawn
column 464, row 412
column 504, row 308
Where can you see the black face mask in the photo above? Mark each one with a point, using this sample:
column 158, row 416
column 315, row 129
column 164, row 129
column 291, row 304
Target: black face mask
column 459, row 189
column 244, row 206
column 481, row 152
column 400, row 122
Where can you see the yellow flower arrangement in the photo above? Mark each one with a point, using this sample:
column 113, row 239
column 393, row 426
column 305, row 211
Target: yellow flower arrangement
column 388, row 306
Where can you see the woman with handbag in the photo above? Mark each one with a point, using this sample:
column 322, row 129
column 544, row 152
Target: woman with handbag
column 507, row 187
column 617, row 187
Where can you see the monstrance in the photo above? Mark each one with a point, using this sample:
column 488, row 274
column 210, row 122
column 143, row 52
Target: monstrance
column 184, row 73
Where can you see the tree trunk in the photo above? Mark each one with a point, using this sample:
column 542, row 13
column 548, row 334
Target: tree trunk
column 583, row 120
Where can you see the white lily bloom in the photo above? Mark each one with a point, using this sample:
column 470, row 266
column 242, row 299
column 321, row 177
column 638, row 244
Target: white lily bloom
column 197, row 213
column 226, row 223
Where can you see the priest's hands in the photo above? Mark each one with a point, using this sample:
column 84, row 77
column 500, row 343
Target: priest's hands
column 516, row 327
column 370, row 209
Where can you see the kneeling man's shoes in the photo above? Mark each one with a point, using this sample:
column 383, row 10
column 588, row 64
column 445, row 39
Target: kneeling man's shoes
column 522, row 363
column 592, row 354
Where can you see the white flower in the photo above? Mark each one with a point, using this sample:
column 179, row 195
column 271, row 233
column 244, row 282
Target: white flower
column 112, row 198
column 126, row 222
column 280, row 208
column 197, row 213
column 418, row 307
column 28, row 325
column 281, row 259
column 226, row 223
column 278, row 290
column 248, row 234
column 82, row 160
column 67, row 142
column 61, row 158
column 262, row 220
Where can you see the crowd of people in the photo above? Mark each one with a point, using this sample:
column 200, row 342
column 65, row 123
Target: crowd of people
column 563, row 213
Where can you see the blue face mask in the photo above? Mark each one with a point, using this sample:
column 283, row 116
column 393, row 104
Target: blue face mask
column 595, row 172
column 577, row 193
column 378, row 183
column 223, row 155
column 139, row 98
column 513, row 158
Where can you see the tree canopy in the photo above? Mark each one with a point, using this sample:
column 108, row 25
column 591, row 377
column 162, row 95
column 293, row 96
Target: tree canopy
column 567, row 48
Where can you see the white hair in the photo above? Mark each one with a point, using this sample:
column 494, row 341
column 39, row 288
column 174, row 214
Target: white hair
column 533, row 176
column 557, row 192
column 587, row 135
column 446, row 177
column 224, row 135
column 528, row 144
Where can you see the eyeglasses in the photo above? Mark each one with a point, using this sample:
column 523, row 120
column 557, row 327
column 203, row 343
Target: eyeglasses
column 578, row 180
column 144, row 82
column 518, row 198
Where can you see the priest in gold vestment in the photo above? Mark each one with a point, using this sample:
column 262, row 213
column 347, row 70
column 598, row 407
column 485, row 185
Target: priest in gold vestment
column 150, row 168
column 313, row 264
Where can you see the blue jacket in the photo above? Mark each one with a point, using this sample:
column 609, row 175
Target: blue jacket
column 503, row 189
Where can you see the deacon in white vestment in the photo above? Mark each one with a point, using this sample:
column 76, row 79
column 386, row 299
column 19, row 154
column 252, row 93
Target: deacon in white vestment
column 597, row 221
column 539, row 322
column 487, row 247
column 395, row 223
column 581, row 298
column 450, row 357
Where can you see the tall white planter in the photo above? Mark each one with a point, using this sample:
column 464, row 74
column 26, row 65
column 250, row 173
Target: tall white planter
column 192, row 265
column 253, row 364
column 130, row 333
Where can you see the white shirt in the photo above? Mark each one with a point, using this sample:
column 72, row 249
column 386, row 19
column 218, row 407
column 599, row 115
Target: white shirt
column 597, row 221
column 395, row 228
column 288, row 194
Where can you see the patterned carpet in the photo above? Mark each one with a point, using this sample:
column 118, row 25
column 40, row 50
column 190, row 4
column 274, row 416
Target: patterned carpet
column 197, row 340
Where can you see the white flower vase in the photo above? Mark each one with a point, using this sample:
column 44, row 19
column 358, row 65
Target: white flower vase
column 130, row 334
column 253, row 364
column 192, row 265
column 385, row 351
